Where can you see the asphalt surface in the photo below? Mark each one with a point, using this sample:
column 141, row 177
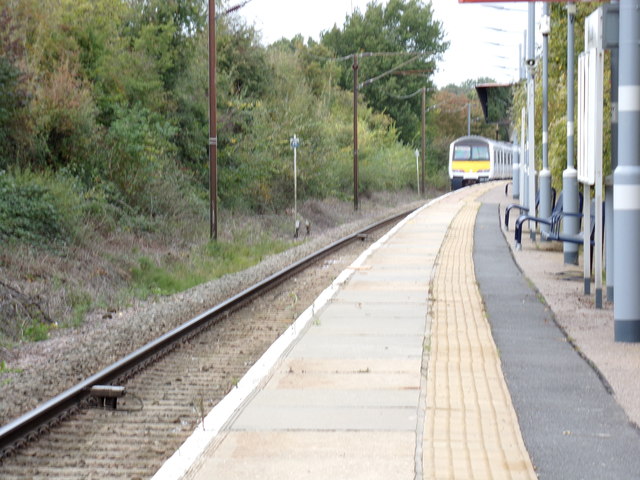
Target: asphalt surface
column 572, row 426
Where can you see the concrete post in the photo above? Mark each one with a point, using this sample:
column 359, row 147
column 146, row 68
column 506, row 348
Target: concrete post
column 545, row 173
column 626, row 180
column 571, row 200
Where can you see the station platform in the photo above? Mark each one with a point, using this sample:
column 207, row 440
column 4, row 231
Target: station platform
column 431, row 357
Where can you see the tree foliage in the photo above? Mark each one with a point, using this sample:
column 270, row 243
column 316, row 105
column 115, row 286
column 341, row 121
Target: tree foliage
column 405, row 29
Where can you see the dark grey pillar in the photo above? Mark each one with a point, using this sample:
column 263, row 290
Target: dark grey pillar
column 626, row 180
column 571, row 200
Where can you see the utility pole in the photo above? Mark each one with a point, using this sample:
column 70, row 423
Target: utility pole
column 424, row 141
column 355, row 132
column 213, row 139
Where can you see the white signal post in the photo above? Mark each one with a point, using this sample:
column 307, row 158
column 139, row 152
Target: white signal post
column 295, row 142
column 417, row 152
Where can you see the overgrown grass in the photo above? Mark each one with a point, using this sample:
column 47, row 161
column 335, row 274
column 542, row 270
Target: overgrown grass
column 80, row 303
column 35, row 331
column 211, row 261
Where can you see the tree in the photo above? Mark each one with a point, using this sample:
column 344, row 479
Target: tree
column 405, row 28
column 167, row 31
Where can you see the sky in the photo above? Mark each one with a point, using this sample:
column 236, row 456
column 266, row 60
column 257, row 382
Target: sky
column 484, row 38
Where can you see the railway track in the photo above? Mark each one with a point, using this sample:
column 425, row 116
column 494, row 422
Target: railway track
column 170, row 383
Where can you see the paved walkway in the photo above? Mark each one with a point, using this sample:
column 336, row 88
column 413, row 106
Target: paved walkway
column 394, row 374
column 573, row 425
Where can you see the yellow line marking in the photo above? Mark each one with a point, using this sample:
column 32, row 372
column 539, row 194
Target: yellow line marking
column 471, row 428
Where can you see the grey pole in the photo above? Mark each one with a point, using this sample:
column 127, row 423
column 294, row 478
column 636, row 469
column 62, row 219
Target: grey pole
column 531, row 108
column 524, row 160
column 468, row 119
column 608, row 203
column 626, row 180
column 545, row 173
column 570, row 175
column 524, row 200
column 517, row 162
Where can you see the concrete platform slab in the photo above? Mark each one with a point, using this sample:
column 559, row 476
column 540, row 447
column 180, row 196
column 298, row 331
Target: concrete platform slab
column 417, row 295
column 354, row 365
column 348, row 398
column 347, row 380
column 315, row 345
column 330, row 418
column 341, row 307
column 311, row 456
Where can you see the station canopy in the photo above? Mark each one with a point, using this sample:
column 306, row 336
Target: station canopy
column 495, row 99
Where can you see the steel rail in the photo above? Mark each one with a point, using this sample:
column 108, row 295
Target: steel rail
column 29, row 426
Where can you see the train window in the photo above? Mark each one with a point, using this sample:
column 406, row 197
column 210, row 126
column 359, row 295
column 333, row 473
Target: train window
column 462, row 152
column 480, row 152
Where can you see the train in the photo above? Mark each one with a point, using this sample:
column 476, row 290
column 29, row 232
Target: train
column 474, row 159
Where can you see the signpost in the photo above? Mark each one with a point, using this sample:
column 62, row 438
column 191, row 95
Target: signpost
column 417, row 152
column 295, row 143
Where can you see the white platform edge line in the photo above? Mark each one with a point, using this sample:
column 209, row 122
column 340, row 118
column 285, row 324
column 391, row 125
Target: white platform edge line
column 176, row 466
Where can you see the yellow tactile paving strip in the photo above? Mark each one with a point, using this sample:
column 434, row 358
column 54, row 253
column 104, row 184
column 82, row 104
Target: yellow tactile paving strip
column 471, row 429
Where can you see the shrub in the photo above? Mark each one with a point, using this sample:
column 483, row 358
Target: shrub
column 28, row 211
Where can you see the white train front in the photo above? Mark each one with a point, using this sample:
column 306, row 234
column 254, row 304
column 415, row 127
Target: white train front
column 476, row 159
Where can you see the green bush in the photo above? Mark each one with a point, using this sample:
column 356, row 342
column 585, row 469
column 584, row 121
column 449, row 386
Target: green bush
column 29, row 211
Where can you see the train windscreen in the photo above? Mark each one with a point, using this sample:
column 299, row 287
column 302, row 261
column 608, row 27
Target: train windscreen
column 471, row 152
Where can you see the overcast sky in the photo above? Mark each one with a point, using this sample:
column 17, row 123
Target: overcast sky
column 484, row 38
